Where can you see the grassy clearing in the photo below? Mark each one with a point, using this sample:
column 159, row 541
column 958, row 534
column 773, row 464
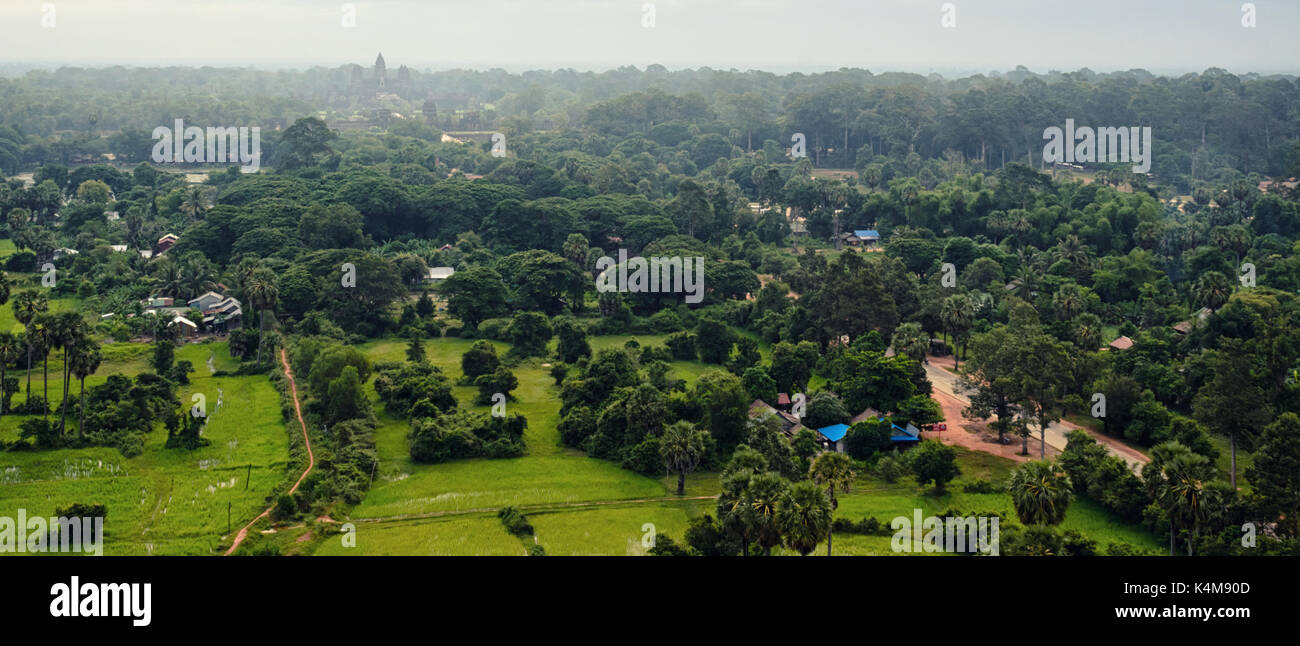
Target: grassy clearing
column 552, row 475
column 477, row 535
column 166, row 501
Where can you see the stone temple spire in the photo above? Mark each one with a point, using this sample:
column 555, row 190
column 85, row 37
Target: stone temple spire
column 381, row 71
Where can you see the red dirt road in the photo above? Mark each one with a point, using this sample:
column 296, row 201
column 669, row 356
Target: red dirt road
column 311, row 458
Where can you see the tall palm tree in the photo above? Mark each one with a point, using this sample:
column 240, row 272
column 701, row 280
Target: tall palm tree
column 85, row 359
column 804, row 516
column 27, row 306
column 832, row 470
column 66, row 330
column 682, row 446
column 262, row 293
column 196, row 275
column 1183, row 494
column 764, row 498
column 1175, row 478
column 1041, row 492
column 42, row 336
column 1212, row 290
column 193, row 203
column 958, row 315
column 911, row 341
column 11, row 348
column 168, row 277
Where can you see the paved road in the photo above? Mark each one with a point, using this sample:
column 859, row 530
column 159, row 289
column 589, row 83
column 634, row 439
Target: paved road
column 938, row 370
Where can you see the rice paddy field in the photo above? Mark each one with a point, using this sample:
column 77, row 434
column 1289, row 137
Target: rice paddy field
column 164, row 501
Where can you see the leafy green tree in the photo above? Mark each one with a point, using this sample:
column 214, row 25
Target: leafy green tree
column 480, row 359
column 1233, row 403
column 499, row 381
column 474, row 295
column 792, row 364
column 529, row 333
column 759, row 383
column 1275, row 475
column 304, row 143
column 713, row 340
column 934, row 462
column 825, row 409
column 572, row 344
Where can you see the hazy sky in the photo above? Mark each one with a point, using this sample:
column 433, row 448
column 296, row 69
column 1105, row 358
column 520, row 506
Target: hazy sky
column 1170, row 36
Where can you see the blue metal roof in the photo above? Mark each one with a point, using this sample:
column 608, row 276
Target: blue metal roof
column 904, row 434
column 834, row 432
column 866, row 233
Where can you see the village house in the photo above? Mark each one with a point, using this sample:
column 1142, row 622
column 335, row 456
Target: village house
column 790, row 425
column 439, row 274
column 220, row 313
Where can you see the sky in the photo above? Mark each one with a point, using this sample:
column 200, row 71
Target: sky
column 1162, row 36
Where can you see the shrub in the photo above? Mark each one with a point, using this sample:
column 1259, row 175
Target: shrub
column 891, row 468
column 515, row 522
column 981, row 485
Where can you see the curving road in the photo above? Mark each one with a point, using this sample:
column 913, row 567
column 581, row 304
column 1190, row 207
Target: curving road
column 946, row 383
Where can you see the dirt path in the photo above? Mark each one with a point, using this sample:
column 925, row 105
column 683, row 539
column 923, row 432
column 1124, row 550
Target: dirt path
column 311, row 458
column 976, row 435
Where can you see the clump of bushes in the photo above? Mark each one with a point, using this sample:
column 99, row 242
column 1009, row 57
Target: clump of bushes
column 868, row 526
column 460, row 434
column 515, row 522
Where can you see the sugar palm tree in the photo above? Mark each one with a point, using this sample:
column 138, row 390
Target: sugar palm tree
column 84, row 359
column 196, row 275
column 66, row 330
column 193, row 203
column 27, row 306
column 832, row 470
column 262, row 293
column 11, row 349
column 804, row 516
column 958, row 315
column 42, row 336
column 764, row 497
column 1175, row 478
column 911, row 341
column 682, row 446
column 169, row 278
column 1041, row 492
column 1212, row 290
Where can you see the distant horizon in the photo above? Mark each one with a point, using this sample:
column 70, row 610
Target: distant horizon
column 955, row 39
column 22, row 67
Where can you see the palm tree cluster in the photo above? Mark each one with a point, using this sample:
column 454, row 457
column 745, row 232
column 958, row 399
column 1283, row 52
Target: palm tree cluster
column 46, row 332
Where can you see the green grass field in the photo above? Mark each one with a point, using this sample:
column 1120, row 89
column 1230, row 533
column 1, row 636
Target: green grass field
column 584, row 506
column 164, row 501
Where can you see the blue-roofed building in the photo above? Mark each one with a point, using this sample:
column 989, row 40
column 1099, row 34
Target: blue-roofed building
column 904, row 435
column 867, row 236
column 833, row 436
